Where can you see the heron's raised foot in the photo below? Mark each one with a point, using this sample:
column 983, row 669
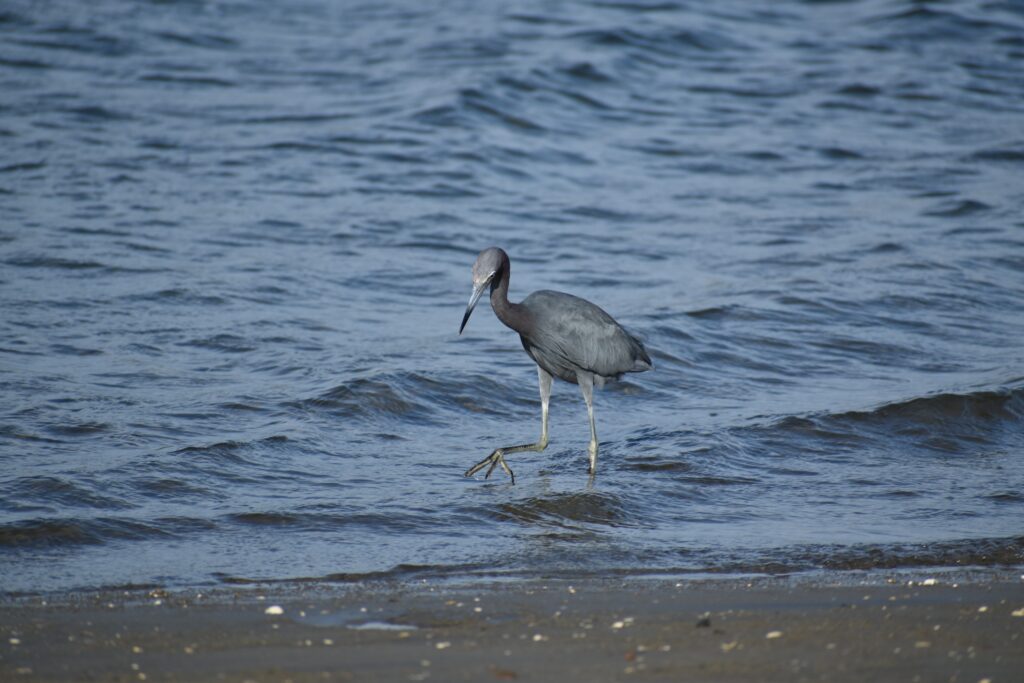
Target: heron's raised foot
column 493, row 460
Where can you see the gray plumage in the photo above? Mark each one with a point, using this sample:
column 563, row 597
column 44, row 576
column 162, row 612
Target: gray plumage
column 566, row 336
column 569, row 334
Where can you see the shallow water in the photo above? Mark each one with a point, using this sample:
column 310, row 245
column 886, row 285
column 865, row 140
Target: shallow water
column 236, row 242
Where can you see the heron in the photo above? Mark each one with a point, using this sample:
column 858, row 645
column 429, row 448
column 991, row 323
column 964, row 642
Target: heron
column 566, row 336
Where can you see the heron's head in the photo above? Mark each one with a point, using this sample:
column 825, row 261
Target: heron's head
column 488, row 265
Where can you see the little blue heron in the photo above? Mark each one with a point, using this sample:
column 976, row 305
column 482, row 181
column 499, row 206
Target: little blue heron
column 566, row 336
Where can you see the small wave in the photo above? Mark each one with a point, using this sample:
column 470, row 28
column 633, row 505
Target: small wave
column 502, row 111
column 188, row 81
column 53, row 262
column 227, row 343
column 232, row 451
column 839, row 153
column 403, row 572
column 665, row 43
column 179, row 296
column 966, row 207
column 404, row 395
column 925, row 24
column 984, row 406
column 63, row 532
column 49, row 490
column 171, row 489
column 69, row 350
column 567, row 510
column 859, row 90
column 97, row 113
column 585, row 71
column 24, row 166
column 79, row 429
column 320, row 520
column 1008, row 154
column 81, row 41
column 964, row 553
column 204, row 40
column 364, row 396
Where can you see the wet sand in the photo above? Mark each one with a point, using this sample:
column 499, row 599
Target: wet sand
column 851, row 629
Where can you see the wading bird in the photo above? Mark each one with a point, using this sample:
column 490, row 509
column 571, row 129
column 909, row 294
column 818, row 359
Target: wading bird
column 566, row 336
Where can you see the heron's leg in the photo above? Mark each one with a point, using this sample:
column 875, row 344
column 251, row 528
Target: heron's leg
column 497, row 457
column 586, row 382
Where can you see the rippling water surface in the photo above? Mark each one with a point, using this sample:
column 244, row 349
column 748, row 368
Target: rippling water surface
column 235, row 248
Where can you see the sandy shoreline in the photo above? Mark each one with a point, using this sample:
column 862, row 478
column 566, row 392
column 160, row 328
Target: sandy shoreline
column 850, row 629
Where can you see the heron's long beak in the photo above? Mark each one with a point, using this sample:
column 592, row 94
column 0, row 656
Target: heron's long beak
column 477, row 293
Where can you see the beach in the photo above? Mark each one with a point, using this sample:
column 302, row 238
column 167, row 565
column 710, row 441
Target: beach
column 849, row 627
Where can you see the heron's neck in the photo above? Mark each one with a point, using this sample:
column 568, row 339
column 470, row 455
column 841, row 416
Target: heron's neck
column 512, row 315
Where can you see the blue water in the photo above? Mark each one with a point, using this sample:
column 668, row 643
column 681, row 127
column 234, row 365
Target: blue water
column 235, row 249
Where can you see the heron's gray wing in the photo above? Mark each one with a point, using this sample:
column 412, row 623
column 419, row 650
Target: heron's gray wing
column 570, row 332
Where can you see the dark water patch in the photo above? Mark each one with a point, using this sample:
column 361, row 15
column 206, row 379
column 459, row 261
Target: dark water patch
column 400, row 572
column 59, row 532
column 1000, row 154
column 17, row 433
column 380, row 524
column 286, row 119
column 22, row 167
column 887, row 248
column 713, row 312
column 1007, row 497
column 640, row 7
column 225, row 343
column 982, row 552
column 145, row 248
column 54, row 263
column 182, row 297
column 185, row 82
column 658, row 464
column 94, row 232
column 98, row 113
column 859, row 90
column 266, row 518
column 839, row 153
column 878, row 353
column 539, row 20
column 966, row 207
column 66, row 492
column 45, row 533
column 173, row 489
column 81, row 41
column 585, row 71
column 963, row 553
column 660, row 42
column 966, row 553
column 476, row 101
column 569, row 510
column 234, row 452
column 79, row 429
column 763, row 155
column 898, row 493
column 203, row 40
column 242, row 407
column 984, row 406
column 392, row 396
column 821, row 430
column 927, row 25
column 69, row 350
